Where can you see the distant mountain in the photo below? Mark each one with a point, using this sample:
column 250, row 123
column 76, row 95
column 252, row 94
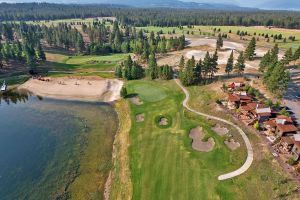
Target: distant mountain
column 281, row 5
column 172, row 4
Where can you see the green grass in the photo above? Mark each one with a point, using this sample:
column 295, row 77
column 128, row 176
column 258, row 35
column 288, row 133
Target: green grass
column 84, row 65
column 164, row 166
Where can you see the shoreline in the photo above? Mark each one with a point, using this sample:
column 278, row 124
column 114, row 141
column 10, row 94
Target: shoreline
column 118, row 183
column 89, row 89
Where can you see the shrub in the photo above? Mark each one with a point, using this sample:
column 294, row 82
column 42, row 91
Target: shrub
column 256, row 125
column 292, row 162
column 123, row 92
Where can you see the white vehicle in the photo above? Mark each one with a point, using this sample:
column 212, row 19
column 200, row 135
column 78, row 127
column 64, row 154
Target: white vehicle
column 3, row 87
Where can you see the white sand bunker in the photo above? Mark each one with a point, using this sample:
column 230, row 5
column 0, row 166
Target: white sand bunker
column 231, row 144
column 140, row 117
column 220, row 130
column 197, row 135
column 136, row 100
column 193, row 42
column 76, row 88
column 163, row 121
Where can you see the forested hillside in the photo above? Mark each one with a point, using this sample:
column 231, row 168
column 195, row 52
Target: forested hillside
column 150, row 16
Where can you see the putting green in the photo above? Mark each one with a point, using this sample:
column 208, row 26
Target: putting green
column 150, row 92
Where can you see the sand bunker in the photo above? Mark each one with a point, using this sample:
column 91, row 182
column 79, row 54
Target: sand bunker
column 140, row 117
column 76, row 88
column 231, row 144
column 197, row 135
column 136, row 100
column 163, row 121
column 193, row 42
column 220, row 130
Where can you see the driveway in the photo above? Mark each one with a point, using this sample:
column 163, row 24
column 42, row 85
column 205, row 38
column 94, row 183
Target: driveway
column 289, row 98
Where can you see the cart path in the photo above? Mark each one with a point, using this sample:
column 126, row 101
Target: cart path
column 249, row 159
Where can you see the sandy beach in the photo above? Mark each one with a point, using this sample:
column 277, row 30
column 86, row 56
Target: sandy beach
column 75, row 88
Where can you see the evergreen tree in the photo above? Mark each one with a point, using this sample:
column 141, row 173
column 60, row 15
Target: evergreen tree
column 206, row 65
column 123, row 92
column 288, row 56
column 79, row 44
column 239, row 67
column 152, row 67
column 198, row 72
column 181, row 63
column 187, row 75
column 214, row 64
column 219, row 42
column 40, row 54
column 229, row 65
column 266, row 59
column 250, row 50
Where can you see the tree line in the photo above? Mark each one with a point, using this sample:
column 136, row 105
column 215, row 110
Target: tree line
column 23, row 47
column 131, row 70
column 150, row 16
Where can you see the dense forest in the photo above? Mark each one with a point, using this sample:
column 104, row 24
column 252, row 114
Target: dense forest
column 151, row 16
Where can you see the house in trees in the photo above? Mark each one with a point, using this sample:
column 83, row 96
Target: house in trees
column 238, row 99
column 236, row 86
column 296, row 148
column 281, row 126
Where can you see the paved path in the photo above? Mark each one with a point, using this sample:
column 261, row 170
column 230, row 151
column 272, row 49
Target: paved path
column 249, row 159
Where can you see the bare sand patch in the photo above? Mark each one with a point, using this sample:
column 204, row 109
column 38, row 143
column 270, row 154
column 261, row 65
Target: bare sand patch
column 231, row 144
column 197, row 135
column 220, row 130
column 192, row 42
column 136, row 100
column 76, row 88
column 140, row 117
column 163, row 121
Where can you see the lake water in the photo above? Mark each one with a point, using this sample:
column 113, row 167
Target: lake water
column 50, row 148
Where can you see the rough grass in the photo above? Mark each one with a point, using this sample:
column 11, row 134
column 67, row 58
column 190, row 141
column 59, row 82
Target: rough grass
column 121, row 187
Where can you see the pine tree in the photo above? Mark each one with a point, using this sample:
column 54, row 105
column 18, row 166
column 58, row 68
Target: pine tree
column 206, row 65
column 79, row 44
column 152, row 67
column 123, row 92
column 118, row 71
column 250, row 50
column 181, row 63
column 229, row 65
column 288, row 56
column 214, row 64
column 187, row 75
column 40, row 54
column 239, row 67
column 198, row 72
column 219, row 42
column 265, row 61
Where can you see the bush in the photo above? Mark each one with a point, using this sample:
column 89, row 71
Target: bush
column 123, row 92
column 292, row 162
column 256, row 125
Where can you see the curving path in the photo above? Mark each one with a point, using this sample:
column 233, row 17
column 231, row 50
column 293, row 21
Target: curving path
column 249, row 159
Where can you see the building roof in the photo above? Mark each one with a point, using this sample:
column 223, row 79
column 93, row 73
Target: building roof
column 263, row 110
column 233, row 98
column 297, row 137
column 287, row 128
column 288, row 140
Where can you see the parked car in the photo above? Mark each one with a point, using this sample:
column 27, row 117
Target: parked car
column 298, row 96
